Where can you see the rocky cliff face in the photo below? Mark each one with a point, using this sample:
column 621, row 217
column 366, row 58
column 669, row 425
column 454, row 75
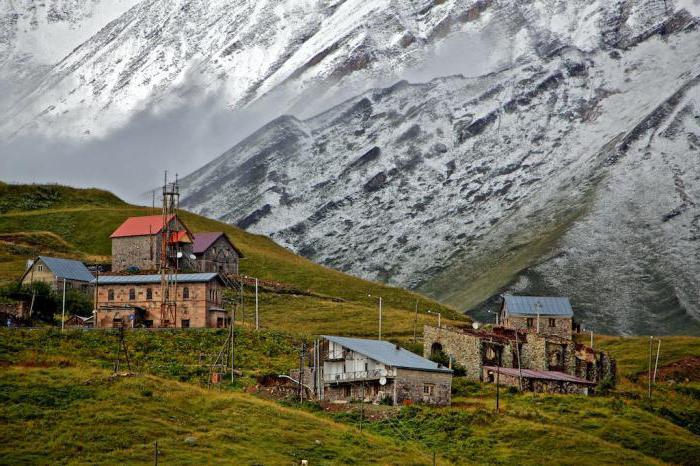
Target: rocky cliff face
column 572, row 172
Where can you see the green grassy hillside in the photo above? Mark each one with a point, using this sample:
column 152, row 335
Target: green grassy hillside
column 54, row 385
column 77, row 223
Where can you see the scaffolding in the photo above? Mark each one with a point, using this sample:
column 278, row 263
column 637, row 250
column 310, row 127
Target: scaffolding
column 168, row 263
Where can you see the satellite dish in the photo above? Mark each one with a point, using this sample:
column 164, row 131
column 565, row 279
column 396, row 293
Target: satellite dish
column 193, row 257
column 179, row 254
column 382, row 381
column 475, row 325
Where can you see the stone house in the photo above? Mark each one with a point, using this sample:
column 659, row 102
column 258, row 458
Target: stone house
column 135, row 301
column 475, row 349
column 538, row 381
column 537, row 314
column 137, row 243
column 55, row 271
column 76, row 321
column 376, row 370
column 215, row 252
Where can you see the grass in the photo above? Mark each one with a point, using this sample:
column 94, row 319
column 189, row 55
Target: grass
column 531, row 429
column 78, row 224
column 78, row 415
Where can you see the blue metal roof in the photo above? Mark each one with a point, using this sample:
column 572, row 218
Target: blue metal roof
column 148, row 279
column 542, row 305
column 67, row 268
column 388, row 353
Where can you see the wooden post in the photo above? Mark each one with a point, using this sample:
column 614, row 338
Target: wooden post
column 415, row 322
column 155, row 453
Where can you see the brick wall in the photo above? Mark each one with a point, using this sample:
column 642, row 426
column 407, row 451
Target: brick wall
column 195, row 308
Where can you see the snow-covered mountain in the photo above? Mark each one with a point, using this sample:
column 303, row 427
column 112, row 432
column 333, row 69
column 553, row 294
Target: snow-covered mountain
column 574, row 171
column 167, row 53
column 37, row 35
column 454, row 146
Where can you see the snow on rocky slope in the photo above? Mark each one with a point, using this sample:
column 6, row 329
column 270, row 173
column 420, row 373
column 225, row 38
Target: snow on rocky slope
column 36, row 35
column 167, row 53
column 574, row 171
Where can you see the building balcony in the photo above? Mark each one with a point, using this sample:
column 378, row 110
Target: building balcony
column 374, row 374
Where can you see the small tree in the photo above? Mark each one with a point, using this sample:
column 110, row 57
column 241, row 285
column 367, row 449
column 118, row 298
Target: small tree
column 40, row 293
column 77, row 302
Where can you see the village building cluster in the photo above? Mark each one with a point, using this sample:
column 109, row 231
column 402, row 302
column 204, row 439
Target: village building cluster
column 163, row 275
column 531, row 348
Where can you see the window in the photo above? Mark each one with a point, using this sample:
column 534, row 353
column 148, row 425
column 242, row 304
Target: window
column 347, row 391
column 185, row 323
column 530, row 322
column 185, row 293
column 428, row 389
column 552, row 322
column 40, row 268
column 219, row 322
column 132, row 294
column 148, row 323
column 149, row 293
column 110, row 295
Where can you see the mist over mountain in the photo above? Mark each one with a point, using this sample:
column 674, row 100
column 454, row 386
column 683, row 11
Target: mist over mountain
column 458, row 147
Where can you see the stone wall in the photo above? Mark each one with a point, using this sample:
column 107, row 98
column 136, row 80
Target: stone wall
column 433, row 388
column 466, row 350
column 136, row 251
column 562, row 325
column 220, row 257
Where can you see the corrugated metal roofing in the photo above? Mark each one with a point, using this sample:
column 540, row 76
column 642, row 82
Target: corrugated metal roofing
column 544, row 305
column 542, row 375
column 387, row 353
column 140, row 226
column 145, row 279
column 67, row 268
column 202, row 241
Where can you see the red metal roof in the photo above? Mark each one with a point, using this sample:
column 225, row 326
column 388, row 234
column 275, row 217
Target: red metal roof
column 140, row 226
column 542, row 375
column 180, row 237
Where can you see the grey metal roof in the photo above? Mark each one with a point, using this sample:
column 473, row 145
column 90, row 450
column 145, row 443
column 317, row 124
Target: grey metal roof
column 542, row 305
column 387, row 353
column 67, row 268
column 146, row 279
column 543, row 375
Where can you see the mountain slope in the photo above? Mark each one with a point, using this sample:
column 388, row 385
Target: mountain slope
column 457, row 186
column 76, row 223
column 165, row 54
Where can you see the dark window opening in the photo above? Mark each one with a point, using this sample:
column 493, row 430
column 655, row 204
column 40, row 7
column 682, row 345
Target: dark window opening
column 219, row 322
column 132, row 294
column 148, row 323
column 149, row 293
column 185, row 293
column 530, row 322
column 110, row 295
column 552, row 322
column 185, row 323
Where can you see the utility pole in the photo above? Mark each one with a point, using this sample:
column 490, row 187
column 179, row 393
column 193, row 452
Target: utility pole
column 591, row 339
column 257, row 318
column 656, row 365
column 301, row 372
column 498, row 380
column 380, row 317
column 649, row 374
column 233, row 338
column 520, row 369
column 155, row 453
column 415, row 322
column 63, row 312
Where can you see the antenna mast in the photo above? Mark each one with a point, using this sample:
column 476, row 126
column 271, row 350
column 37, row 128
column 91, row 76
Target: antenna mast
column 168, row 253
